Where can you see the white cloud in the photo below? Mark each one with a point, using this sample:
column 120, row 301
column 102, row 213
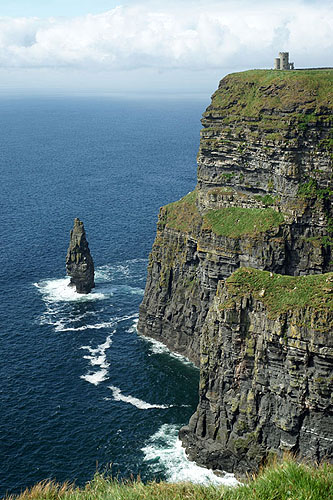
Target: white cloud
column 193, row 36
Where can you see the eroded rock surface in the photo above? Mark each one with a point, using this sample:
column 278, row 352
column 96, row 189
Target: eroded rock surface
column 79, row 263
column 264, row 201
column 266, row 379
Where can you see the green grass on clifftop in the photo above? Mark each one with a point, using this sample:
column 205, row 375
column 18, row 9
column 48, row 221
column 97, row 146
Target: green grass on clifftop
column 251, row 93
column 287, row 480
column 236, row 221
column 282, row 293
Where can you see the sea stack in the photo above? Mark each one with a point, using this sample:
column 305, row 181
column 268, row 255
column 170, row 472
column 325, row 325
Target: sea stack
column 79, row 262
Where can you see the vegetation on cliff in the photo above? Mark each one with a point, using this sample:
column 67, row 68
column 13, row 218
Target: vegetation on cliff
column 286, row 480
column 263, row 201
column 263, row 94
column 237, row 221
column 280, row 293
column 233, row 222
column 182, row 215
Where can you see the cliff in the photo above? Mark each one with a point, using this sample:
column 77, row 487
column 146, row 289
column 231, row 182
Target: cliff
column 266, row 375
column 263, row 200
column 79, row 263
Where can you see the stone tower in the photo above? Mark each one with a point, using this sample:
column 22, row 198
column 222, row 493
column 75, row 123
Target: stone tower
column 282, row 62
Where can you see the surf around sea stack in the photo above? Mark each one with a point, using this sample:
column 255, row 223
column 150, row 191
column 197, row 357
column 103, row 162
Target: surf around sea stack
column 79, row 262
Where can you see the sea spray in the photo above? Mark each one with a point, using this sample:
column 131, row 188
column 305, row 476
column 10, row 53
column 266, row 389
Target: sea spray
column 164, row 451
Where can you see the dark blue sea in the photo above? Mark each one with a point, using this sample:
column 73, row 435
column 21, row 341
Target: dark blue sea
column 80, row 390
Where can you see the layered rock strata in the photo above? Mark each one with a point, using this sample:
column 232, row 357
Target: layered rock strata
column 264, row 201
column 266, row 379
column 79, row 263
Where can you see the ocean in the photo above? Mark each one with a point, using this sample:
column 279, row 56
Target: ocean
column 80, row 390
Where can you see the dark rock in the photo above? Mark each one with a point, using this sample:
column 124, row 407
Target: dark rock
column 79, row 263
column 275, row 162
column 266, row 379
column 256, row 157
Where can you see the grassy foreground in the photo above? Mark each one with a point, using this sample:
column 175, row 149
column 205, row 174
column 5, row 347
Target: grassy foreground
column 282, row 481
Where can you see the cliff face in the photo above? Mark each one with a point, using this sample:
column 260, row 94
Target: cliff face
column 266, row 380
column 263, row 200
column 79, row 263
column 190, row 255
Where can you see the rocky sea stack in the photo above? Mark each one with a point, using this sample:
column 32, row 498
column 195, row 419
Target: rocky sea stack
column 240, row 275
column 79, row 263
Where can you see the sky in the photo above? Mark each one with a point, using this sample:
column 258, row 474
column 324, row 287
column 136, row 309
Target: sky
column 150, row 46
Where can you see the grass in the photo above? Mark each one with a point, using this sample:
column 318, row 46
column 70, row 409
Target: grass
column 310, row 189
column 282, row 293
column 182, row 215
column 327, row 143
column 235, row 221
column 251, row 92
column 273, row 100
column 279, row 481
column 267, row 199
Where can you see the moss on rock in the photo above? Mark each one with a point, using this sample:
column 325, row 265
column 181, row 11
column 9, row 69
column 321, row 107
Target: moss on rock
column 237, row 221
column 281, row 293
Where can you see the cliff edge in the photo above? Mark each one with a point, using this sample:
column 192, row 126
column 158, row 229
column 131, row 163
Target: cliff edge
column 263, row 201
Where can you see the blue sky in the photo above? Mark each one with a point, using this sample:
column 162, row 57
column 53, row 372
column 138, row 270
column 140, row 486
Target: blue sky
column 154, row 46
column 46, row 8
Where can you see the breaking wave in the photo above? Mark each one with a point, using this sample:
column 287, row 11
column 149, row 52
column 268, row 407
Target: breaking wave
column 57, row 290
column 164, row 451
column 157, row 347
column 97, row 358
column 97, row 377
column 134, row 327
column 138, row 403
column 60, row 327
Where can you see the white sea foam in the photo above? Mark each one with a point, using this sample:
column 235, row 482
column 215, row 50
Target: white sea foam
column 102, row 274
column 98, row 361
column 97, row 357
column 164, row 451
column 57, row 290
column 60, row 327
column 142, row 405
column 101, row 348
column 109, row 271
column 48, row 318
column 134, row 327
column 126, row 269
column 114, row 289
column 118, row 319
column 80, row 317
column 157, row 347
column 134, row 290
column 97, row 377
